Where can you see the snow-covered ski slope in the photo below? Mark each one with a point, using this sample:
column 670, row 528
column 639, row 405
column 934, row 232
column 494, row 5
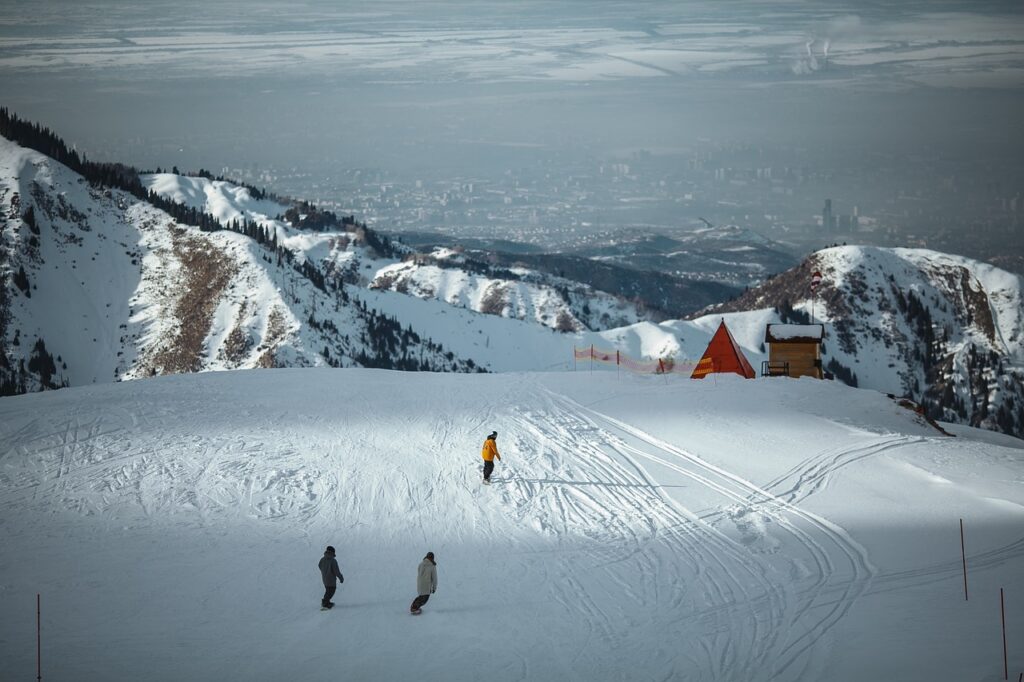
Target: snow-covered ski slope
column 638, row 529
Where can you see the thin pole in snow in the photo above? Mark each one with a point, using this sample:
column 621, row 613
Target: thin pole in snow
column 591, row 358
column 39, row 646
column 1002, row 613
column 963, row 555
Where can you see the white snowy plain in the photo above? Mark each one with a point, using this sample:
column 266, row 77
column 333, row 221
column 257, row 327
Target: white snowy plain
column 640, row 528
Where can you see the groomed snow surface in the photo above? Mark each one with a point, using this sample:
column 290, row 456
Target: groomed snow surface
column 638, row 528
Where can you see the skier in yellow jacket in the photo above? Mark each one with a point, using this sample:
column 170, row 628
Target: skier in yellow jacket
column 489, row 452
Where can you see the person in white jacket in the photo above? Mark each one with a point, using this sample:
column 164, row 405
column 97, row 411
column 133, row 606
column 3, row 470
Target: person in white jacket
column 426, row 582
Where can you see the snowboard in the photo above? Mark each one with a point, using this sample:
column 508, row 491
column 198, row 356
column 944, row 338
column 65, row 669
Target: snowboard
column 416, row 612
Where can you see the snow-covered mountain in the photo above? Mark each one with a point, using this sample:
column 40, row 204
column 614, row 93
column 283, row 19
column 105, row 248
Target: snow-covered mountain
column 636, row 529
column 442, row 274
column 653, row 283
column 944, row 330
column 102, row 286
column 98, row 285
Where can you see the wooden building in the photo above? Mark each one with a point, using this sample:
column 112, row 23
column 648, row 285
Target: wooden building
column 794, row 350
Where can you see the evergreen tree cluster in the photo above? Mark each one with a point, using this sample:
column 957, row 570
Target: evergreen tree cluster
column 113, row 175
column 7, row 383
column 919, row 317
column 1005, row 417
column 41, row 139
column 20, row 280
column 390, row 346
column 479, row 267
column 790, row 315
column 41, row 362
column 30, row 219
column 186, row 215
column 994, row 392
column 842, row 372
column 264, row 236
column 305, row 216
column 19, row 380
column 313, row 274
column 379, row 242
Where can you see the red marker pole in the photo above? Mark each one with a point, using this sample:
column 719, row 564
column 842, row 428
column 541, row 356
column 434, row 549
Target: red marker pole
column 1002, row 613
column 963, row 555
column 39, row 646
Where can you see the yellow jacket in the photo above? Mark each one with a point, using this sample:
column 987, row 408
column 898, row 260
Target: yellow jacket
column 490, row 450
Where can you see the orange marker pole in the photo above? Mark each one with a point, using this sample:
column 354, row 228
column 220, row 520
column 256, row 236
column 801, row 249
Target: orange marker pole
column 39, row 645
column 963, row 555
column 1002, row 613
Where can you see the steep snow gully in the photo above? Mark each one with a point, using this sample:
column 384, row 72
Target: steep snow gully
column 636, row 529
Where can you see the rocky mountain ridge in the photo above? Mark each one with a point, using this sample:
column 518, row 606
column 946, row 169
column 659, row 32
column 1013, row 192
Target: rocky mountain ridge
column 943, row 330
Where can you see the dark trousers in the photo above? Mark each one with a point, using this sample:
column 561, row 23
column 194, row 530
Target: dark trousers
column 488, row 468
column 419, row 601
column 328, row 593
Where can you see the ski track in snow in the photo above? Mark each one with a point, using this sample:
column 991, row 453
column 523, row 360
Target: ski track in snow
column 738, row 579
column 840, row 564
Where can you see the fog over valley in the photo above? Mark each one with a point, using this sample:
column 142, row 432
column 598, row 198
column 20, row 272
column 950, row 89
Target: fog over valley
column 558, row 123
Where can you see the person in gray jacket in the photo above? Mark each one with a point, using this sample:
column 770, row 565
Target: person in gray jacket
column 426, row 582
column 330, row 572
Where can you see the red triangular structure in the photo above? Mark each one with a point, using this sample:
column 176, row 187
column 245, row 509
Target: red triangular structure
column 723, row 355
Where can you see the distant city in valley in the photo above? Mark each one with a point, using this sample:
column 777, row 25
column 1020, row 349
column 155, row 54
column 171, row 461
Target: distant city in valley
column 875, row 198
column 562, row 126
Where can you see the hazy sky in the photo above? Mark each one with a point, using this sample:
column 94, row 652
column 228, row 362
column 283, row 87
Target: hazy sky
column 467, row 87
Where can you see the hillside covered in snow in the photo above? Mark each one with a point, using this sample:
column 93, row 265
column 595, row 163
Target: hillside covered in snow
column 117, row 276
column 944, row 330
column 636, row 529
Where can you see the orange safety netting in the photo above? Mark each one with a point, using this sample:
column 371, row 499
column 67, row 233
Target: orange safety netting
column 666, row 365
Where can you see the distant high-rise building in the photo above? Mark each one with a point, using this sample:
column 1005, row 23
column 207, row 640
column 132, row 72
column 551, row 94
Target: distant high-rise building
column 828, row 222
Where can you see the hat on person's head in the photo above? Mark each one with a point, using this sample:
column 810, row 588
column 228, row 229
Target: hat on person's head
column 494, row 434
column 330, row 549
column 430, row 555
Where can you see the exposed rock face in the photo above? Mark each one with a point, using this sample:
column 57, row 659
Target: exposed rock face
column 943, row 330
